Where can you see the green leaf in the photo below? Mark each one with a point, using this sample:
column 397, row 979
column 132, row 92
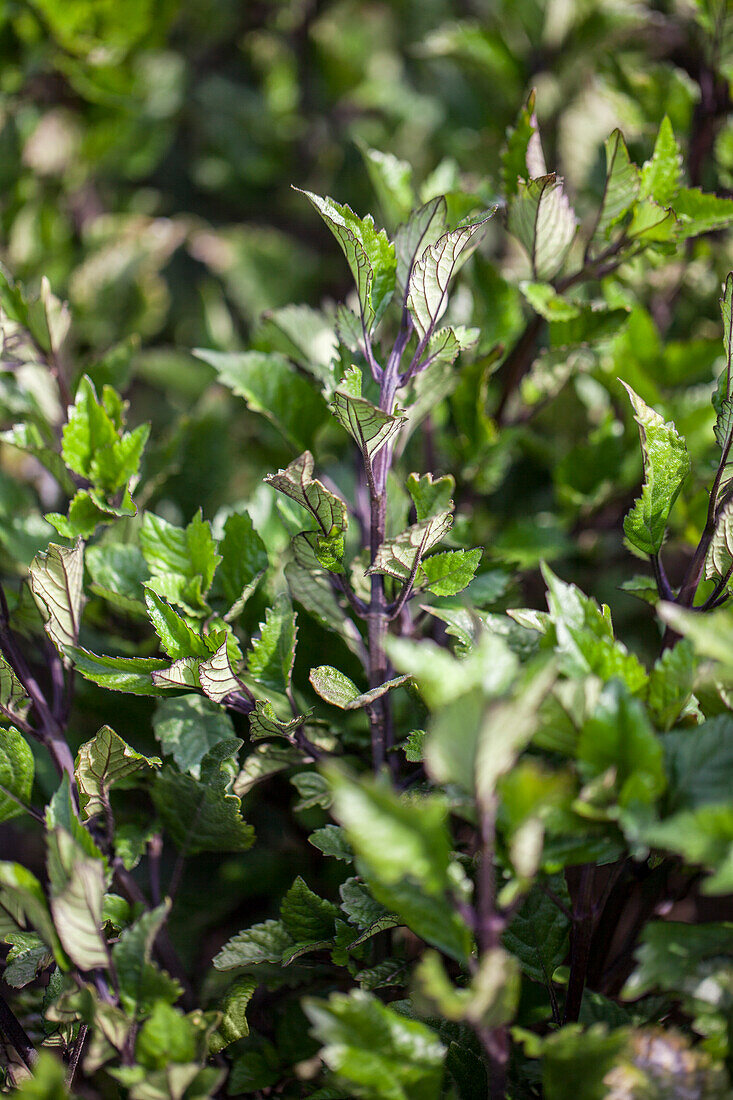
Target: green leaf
column 489, row 1000
column 392, row 182
column 543, row 221
column 86, row 512
column 141, row 982
column 450, row 572
column 166, row 1036
column 328, row 509
column 661, row 176
column 622, row 185
column 711, row 634
column 187, row 726
column 618, row 738
column 129, row 674
column 182, row 560
column 546, row 301
column 17, row 769
column 699, row 763
column 118, row 572
column 307, row 917
column 671, row 953
column 233, row 1008
column 340, row 691
column 88, row 430
column 704, row 836
column 396, row 557
column 261, row 943
column 701, row 213
column 14, row 701
column 56, row 581
column 308, row 584
column 21, row 892
column 102, row 762
column 422, row 229
column 48, row 1081
column 243, row 561
column 330, row 840
column 403, row 851
column 369, row 253
column 264, row 722
column 670, row 684
column 651, row 222
column 271, row 655
column 200, row 815
column 370, row 427
column 723, row 405
column 217, row 677
column 588, row 326
column 182, row 673
column 380, row 1054
column 522, row 158
column 176, row 637
column 77, row 883
column 272, row 387
column 427, row 295
column 307, row 336
column 583, row 1057
column 666, row 465
column 431, row 495
column 539, row 932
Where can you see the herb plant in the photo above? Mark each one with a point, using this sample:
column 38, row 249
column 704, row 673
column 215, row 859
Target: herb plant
column 508, row 834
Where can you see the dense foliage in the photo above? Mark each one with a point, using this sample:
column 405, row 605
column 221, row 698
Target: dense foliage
column 366, row 663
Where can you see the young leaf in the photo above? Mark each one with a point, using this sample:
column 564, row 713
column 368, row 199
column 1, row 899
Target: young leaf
column 56, row 579
column 272, row 387
column 187, row 726
column 368, row 425
column 622, row 185
column 522, row 158
column 199, row 814
column 271, row 655
column 431, row 495
column 263, row 722
column 661, row 176
column 130, row 674
column 307, row 336
column 77, row 884
column 701, row 213
column 422, row 229
column 450, row 572
column 233, row 1008
column 392, row 181
column 17, row 769
column 427, row 295
column 182, row 560
column 396, row 557
column 328, row 510
column 378, row 1052
column 14, row 701
column 369, row 253
column 243, row 561
column 176, row 636
column 666, row 465
column 217, row 677
column 342, row 692
column 543, row 221
column 723, row 405
column 141, row 982
column 100, row 763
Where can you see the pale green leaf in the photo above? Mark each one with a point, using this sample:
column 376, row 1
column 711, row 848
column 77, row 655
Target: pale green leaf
column 422, row 229
column 666, row 465
column 271, row 386
column 243, row 561
column 391, row 179
column 396, row 557
column 129, row 674
column 622, row 185
column 176, row 636
column 431, row 495
column 187, row 726
column 233, row 1008
column 329, row 510
column 102, row 762
column 17, row 769
column 56, row 581
column 77, row 883
column 369, row 426
column 340, row 691
column 427, row 295
column 14, row 701
column 450, row 572
column 369, row 253
column 543, row 221
column 217, row 677
column 662, row 174
column 272, row 654
column 701, row 213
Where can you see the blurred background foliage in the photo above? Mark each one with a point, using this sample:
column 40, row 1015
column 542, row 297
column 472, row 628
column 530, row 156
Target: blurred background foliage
column 148, row 150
